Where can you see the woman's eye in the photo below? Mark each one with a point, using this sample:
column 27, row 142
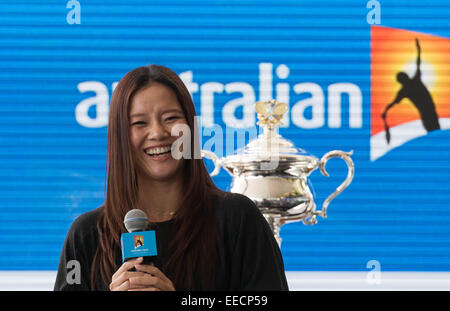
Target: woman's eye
column 171, row 118
column 138, row 123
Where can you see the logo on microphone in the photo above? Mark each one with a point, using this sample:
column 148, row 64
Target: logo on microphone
column 132, row 244
column 409, row 87
column 138, row 241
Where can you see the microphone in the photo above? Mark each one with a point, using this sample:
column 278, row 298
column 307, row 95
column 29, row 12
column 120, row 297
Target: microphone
column 135, row 220
column 138, row 242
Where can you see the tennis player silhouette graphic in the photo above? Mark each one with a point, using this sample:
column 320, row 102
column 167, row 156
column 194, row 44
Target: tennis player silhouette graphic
column 138, row 241
column 417, row 92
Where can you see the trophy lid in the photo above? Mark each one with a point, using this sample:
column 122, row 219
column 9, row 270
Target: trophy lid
column 270, row 151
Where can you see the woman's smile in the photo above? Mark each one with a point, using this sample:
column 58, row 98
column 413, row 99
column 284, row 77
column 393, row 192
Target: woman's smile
column 159, row 153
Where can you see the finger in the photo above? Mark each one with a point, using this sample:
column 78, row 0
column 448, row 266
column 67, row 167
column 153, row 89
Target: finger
column 122, row 287
column 125, row 276
column 153, row 271
column 145, row 281
column 162, row 282
column 146, row 289
column 127, row 265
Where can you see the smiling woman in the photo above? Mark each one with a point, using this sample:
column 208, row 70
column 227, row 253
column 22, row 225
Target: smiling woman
column 206, row 238
column 154, row 112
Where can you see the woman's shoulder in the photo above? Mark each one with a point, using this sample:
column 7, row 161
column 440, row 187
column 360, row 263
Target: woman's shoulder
column 239, row 202
column 85, row 223
column 237, row 206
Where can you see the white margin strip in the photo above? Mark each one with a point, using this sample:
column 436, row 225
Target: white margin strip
column 297, row 280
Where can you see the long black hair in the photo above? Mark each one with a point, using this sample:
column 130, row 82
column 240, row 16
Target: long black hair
column 194, row 246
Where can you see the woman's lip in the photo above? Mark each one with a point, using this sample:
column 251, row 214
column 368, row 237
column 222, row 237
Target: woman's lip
column 158, row 146
column 161, row 158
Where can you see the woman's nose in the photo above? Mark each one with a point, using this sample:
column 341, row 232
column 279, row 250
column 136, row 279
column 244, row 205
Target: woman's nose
column 157, row 132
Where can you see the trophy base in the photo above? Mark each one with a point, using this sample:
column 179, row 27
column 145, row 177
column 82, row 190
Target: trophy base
column 275, row 223
column 276, row 220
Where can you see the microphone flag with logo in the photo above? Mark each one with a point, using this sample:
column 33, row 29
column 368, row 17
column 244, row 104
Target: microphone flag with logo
column 138, row 242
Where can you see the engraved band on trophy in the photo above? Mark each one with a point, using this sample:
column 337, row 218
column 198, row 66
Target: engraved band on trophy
column 272, row 172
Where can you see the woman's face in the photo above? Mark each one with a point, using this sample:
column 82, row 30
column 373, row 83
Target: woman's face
column 154, row 111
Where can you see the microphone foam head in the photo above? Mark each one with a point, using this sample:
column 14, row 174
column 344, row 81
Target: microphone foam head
column 135, row 220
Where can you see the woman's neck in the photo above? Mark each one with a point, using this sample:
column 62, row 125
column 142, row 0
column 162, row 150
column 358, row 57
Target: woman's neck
column 160, row 199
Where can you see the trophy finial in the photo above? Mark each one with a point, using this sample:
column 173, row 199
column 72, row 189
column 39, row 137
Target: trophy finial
column 269, row 113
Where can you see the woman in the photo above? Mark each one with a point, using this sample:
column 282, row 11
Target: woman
column 207, row 239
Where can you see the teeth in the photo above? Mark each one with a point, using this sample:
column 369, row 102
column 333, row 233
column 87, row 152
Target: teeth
column 157, row 150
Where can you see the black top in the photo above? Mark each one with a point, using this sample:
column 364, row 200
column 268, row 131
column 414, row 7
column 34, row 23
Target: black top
column 252, row 258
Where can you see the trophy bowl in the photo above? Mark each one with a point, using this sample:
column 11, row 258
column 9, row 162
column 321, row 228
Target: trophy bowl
column 272, row 172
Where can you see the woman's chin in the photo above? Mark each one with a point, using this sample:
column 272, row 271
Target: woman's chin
column 161, row 169
column 164, row 174
column 162, row 177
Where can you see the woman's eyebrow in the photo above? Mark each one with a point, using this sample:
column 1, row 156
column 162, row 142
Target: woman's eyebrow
column 172, row 110
column 143, row 114
column 138, row 114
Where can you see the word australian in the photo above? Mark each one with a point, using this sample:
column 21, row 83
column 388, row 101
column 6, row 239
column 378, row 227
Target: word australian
column 308, row 112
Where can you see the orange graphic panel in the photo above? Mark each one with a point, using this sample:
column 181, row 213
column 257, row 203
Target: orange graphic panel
column 138, row 241
column 394, row 51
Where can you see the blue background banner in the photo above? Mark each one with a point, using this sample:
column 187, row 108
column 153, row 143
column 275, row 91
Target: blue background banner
column 57, row 74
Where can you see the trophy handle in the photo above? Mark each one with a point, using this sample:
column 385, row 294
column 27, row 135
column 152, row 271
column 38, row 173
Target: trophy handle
column 212, row 156
column 351, row 171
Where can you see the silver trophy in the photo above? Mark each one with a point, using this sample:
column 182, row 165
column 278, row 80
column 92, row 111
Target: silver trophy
column 272, row 172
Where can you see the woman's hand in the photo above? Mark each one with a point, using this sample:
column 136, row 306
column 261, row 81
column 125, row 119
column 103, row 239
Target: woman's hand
column 151, row 280
column 146, row 278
